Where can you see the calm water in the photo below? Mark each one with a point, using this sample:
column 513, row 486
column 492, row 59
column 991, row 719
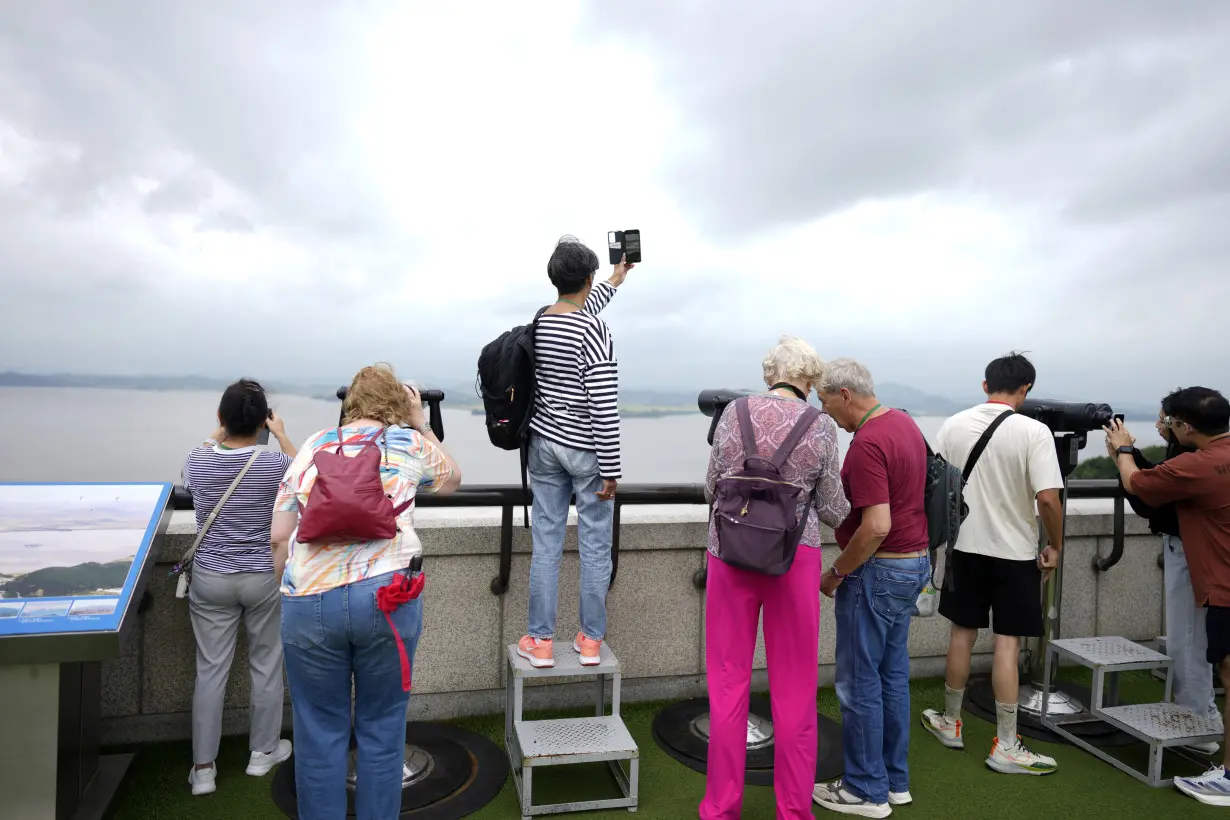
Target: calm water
column 71, row 434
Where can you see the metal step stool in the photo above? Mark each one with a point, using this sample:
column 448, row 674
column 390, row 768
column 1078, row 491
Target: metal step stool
column 1157, row 673
column 533, row 743
column 1159, row 725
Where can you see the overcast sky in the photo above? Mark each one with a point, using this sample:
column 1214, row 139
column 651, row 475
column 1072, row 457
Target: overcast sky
column 292, row 189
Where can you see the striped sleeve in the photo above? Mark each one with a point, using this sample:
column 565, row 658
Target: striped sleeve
column 599, row 297
column 601, row 374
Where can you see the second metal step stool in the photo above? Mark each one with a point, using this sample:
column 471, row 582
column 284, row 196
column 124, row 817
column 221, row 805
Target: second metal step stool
column 1159, row 725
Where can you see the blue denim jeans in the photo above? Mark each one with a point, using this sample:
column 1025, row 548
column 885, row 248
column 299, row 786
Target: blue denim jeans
column 328, row 638
column 872, row 678
column 556, row 472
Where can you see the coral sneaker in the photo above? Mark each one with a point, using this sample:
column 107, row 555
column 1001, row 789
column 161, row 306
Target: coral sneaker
column 945, row 729
column 539, row 652
column 1016, row 759
column 588, row 649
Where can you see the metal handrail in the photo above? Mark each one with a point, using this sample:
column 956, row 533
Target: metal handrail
column 509, row 496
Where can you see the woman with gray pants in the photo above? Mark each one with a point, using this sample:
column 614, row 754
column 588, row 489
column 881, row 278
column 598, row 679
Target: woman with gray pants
column 234, row 577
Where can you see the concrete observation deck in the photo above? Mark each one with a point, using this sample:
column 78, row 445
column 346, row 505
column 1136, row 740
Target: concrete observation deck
column 656, row 619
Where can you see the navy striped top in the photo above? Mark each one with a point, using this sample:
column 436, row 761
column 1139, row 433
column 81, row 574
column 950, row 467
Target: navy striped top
column 577, row 401
column 238, row 540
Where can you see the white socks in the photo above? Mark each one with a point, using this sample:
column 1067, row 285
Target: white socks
column 1005, row 718
column 953, row 698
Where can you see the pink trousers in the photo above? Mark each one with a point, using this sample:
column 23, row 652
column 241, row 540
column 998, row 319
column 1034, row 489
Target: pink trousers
column 791, row 603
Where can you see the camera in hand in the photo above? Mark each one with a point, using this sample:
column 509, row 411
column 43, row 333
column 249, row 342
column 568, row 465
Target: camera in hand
column 713, row 402
column 624, row 243
column 1069, row 416
column 262, row 435
column 431, row 399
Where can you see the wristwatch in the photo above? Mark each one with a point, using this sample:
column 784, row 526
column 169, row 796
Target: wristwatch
column 1127, row 449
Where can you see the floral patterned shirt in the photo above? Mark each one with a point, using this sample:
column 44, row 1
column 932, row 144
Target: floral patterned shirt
column 815, row 463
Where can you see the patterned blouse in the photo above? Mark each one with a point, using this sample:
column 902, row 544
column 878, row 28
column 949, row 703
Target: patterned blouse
column 816, row 462
column 409, row 464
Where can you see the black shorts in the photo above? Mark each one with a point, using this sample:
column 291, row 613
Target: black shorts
column 1217, row 625
column 984, row 586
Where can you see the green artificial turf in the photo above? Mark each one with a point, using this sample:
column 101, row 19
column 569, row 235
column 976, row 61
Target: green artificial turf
column 945, row 784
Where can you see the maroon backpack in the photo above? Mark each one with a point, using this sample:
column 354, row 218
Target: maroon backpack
column 755, row 510
column 347, row 502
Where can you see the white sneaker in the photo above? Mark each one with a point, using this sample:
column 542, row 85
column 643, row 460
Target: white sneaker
column 945, row 729
column 834, row 797
column 203, row 781
column 1206, row 749
column 261, row 763
column 1016, row 759
column 898, row 798
column 1211, row 788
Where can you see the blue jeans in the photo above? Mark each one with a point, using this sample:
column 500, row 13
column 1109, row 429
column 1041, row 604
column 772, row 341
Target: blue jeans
column 872, row 678
column 556, row 472
column 327, row 639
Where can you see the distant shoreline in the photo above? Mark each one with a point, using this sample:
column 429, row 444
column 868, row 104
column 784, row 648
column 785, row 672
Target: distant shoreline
column 642, row 403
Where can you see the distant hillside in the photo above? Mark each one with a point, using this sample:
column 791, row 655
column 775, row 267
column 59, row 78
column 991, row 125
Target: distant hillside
column 65, row 581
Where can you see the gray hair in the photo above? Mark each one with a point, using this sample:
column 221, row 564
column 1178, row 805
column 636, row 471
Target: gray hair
column 792, row 359
column 849, row 374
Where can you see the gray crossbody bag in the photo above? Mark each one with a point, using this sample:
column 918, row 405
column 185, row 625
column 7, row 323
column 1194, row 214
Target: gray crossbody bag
column 184, row 568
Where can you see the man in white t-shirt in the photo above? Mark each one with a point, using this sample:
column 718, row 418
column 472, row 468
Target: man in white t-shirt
column 997, row 570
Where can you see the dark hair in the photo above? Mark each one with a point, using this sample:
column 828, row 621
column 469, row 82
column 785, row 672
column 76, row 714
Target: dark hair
column 571, row 264
column 1010, row 373
column 243, row 408
column 1206, row 410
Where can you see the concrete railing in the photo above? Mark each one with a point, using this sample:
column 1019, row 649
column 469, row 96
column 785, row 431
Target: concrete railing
column 656, row 619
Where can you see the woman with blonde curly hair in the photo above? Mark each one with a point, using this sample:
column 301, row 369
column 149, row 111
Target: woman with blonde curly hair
column 750, row 426
column 333, row 632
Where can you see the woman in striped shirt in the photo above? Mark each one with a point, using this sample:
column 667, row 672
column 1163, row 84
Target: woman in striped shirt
column 234, row 578
column 574, row 448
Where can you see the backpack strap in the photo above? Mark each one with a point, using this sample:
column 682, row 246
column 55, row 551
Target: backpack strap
column 525, row 481
column 981, row 444
column 746, row 430
column 806, row 418
column 525, row 439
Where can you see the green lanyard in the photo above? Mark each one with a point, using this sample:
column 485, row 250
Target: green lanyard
column 864, row 418
column 570, row 302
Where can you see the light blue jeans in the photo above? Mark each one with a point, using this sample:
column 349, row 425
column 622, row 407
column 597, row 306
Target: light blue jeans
column 1186, row 640
column 556, row 472
column 327, row 639
column 872, row 675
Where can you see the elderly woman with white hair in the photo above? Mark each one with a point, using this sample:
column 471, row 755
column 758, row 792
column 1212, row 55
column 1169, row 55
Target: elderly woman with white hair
column 758, row 425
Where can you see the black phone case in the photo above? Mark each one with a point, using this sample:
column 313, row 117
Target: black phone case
column 616, row 249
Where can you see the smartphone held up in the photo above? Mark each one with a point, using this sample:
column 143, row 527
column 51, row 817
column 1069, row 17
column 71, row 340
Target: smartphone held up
column 624, row 243
column 262, row 436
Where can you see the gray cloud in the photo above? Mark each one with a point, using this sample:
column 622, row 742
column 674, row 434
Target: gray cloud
column 804, row 108
column 254, row 93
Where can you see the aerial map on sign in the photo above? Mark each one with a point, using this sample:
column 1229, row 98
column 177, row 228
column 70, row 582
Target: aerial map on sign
column 67, row 551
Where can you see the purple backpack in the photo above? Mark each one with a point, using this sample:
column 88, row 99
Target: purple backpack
column 755, row 510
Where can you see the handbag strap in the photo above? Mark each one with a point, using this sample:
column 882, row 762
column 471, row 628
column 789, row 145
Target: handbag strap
column 200, row 536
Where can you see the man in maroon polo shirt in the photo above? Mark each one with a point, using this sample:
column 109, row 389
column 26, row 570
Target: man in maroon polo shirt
column 882, row 568
column 1198, row 484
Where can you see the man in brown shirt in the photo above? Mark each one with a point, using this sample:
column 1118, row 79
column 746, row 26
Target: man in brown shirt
column 1198, row 484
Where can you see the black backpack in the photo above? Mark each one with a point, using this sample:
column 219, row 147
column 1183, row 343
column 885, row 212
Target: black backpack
column 944, row 500
column 507, row 384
